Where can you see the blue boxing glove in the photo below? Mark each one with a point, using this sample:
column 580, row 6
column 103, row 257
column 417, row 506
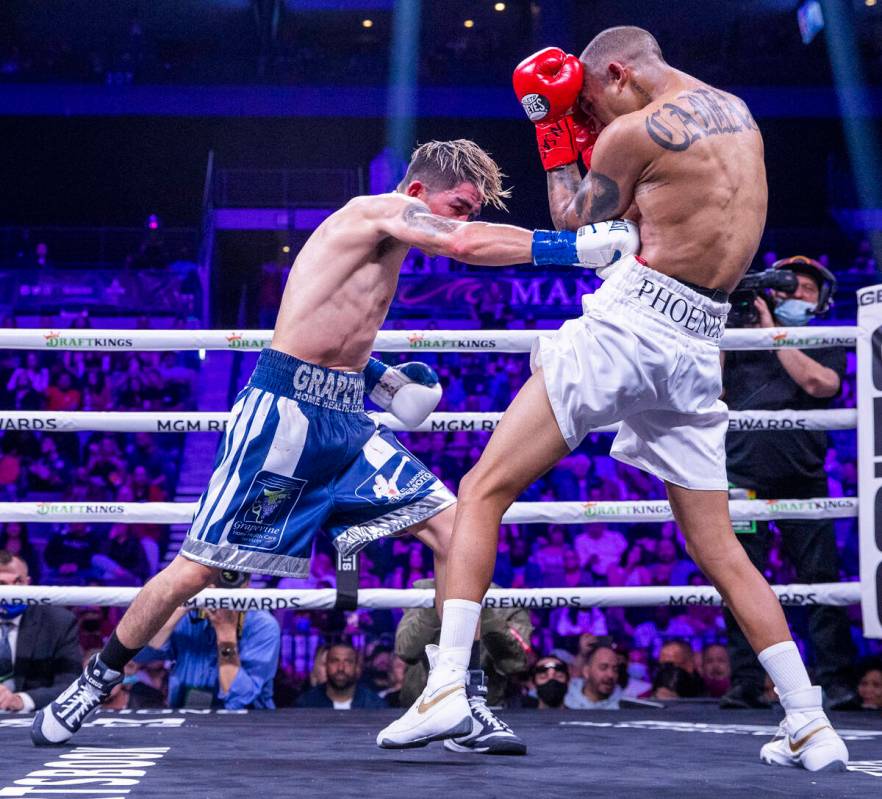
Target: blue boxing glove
column 598, row 246
column 410, row 392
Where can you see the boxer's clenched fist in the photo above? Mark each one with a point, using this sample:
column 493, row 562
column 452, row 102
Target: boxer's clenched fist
column 547, row 84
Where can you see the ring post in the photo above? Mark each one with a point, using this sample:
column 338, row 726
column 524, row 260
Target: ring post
column 869, row 435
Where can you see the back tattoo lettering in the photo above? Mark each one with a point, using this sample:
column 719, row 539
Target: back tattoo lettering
column 697, row 114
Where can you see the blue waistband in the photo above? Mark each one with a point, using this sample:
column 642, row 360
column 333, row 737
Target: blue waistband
column 299, row 380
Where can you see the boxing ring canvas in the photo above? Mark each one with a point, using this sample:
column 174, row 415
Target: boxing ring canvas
column 690, row 750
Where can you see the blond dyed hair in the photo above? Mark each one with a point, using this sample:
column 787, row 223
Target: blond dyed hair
column 442, row 165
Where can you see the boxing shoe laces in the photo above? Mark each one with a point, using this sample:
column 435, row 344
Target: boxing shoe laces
column 440, row 712
column 805, row 737
column 489, row 734
column 57, row 722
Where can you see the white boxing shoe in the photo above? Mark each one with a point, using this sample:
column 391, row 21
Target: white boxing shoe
column 441, row 711
column 805, row 737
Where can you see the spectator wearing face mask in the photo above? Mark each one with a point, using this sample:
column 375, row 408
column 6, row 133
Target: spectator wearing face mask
column 551, row 678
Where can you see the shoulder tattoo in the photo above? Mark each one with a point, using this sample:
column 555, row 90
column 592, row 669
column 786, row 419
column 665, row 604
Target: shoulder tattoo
column 695, row 115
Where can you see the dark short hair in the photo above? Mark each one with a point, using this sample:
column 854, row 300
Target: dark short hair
column 343, row 644
column 681, row 643
column 6, row 557
column 550, row 657
column 625, row 43
column 589, row 655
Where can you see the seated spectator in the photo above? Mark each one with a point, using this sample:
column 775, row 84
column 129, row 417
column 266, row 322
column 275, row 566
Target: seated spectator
column 28, row 384
column 392, row 694
column 671, row 569
column 636, row 673
column 62, row 395
column 716, row 670
column 550, row 556
column 599, row 548
column 222, row 658
column 15, row 539
column 49, row 472
column 679, row 653
column 631, row 570
column 671, row 682
column 870, row 685
column 39, row 651
column 376, row 669
column 68, row 554
column 551, row 679
column 10, row 468
column 342, row 690
column 574, row 576
column 96, row 393
column 123, row 560
column 598, row 687
column 502, row 651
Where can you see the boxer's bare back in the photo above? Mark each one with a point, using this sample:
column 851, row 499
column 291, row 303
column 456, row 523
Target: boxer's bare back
column 344, row 278
column 688, row 167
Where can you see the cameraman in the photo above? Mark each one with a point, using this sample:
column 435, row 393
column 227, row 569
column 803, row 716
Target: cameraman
column 222, row 658
column 788, row 464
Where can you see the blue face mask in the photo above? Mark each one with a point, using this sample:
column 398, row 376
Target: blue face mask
column 794, row 313
column 8, row 612
column 639, row 671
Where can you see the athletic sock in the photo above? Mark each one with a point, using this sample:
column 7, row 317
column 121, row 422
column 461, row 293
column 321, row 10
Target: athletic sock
column 458, row 627
column 785, row 667
column 115, row 655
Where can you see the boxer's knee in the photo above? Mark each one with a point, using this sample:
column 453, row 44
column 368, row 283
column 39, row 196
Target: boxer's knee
column 481, row 484
column 189, row 577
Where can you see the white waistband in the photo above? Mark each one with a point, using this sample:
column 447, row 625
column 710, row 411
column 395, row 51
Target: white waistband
column 664, row 297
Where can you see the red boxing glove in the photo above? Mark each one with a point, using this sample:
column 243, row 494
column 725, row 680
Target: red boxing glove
column 548, row 84
column 585, row 132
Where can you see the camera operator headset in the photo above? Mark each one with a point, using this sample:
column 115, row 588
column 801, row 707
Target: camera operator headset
column 787, row 464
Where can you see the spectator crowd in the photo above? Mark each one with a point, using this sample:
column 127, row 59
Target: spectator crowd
column 566, row 657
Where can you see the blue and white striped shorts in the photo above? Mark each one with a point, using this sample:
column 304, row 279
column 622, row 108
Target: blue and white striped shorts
column 300, row 455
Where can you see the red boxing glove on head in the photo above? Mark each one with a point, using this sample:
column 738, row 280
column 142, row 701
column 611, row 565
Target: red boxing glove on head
column 548, row 83
column 585, row 132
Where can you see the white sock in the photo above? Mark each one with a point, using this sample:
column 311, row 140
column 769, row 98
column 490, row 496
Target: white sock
column 785, row 667
column 458, row 628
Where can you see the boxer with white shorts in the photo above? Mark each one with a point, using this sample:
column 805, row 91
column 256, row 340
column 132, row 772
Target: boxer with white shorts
column 673, row 423
column 684, row 160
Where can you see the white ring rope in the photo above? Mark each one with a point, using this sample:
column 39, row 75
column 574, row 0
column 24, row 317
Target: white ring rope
column 386, row 341
column 518, row 513
column 385, row 598
column 216, row 422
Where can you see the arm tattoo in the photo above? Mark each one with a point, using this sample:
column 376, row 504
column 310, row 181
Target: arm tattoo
column 563, row 186
column 420, row 218
column 605, row 198
column 562, row 177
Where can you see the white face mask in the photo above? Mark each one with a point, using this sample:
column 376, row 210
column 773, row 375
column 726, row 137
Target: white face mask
column 794, row 313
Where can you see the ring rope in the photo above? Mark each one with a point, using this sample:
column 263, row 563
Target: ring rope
column 839, row 594
column 518, row 513
column 216, row 422
column 387, row 340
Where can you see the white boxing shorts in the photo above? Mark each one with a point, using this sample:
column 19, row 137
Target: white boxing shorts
column 645, row 353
